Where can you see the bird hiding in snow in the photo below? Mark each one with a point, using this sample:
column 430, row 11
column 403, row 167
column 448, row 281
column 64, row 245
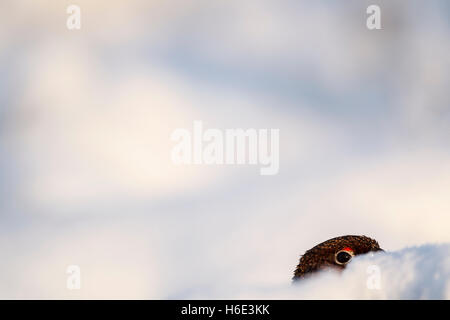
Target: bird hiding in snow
column 334, row 253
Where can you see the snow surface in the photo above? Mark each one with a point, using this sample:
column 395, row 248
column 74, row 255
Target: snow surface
column 412, row 273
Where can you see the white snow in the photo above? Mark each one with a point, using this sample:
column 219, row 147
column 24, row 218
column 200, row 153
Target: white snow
column 85, row 171
column 412, row 273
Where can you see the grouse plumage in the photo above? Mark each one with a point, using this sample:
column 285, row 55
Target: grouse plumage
column 334, row 253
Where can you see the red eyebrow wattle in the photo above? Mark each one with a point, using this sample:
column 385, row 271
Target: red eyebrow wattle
column 347, row 249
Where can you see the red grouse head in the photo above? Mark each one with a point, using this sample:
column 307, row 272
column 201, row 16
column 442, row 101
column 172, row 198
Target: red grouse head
column 334, row 253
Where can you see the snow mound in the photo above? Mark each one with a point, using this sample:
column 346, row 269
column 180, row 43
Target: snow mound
column 412, row 273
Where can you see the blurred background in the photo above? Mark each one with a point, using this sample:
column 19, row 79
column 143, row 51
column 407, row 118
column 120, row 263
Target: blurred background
column 86, row 116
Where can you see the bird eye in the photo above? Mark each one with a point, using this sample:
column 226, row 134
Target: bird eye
column 343, row 257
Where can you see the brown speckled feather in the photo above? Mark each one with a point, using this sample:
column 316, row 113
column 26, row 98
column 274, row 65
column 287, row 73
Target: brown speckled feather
column 323, row 254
